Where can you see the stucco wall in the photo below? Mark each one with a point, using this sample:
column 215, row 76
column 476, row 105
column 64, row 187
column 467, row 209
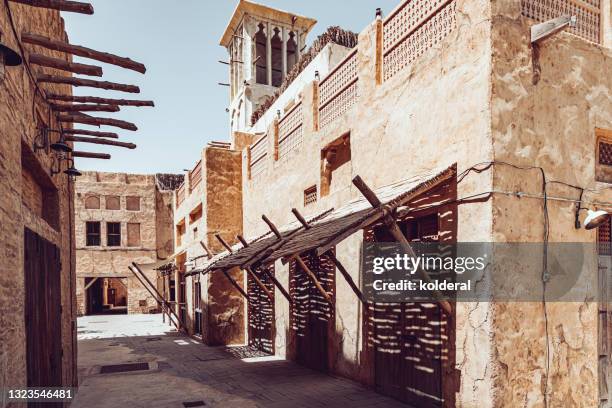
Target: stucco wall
column 17, row 132
column 551, row 125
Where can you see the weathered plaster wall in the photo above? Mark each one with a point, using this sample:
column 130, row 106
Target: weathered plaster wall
column 549, row 125
column 430, row 115
column 17, row 133
column 105, row 261
column 220, row 195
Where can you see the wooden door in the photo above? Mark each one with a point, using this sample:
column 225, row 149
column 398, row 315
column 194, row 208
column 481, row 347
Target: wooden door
column 413, row 342
column 312, row 316
column 42, row 268
column 262, row 328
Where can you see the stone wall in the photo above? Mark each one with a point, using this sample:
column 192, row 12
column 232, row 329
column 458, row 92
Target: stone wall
column 105, row 261
column 20, row 204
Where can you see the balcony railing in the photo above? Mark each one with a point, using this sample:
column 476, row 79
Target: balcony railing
column 290, row 130
column 258, row 155
column 413, row 28
column 195, row 176
column 587, row 12
column 338, row 90
column 180, row 195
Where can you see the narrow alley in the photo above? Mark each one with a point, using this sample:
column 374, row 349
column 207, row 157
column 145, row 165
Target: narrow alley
column 138, row 361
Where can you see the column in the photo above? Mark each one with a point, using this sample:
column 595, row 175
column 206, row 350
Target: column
column 284, row 50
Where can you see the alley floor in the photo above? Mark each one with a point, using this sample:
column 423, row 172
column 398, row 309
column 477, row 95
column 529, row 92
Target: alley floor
column 168, row 369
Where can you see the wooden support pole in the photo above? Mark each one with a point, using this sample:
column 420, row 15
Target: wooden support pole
column 155, row 290
column 60, row 107
column 236, row 285
column 208, row 253
column 254, row 276
column 95, row 121
column 330, row 254
column 85, row 52
column 399, row 236
column 113, row 86
column 89, row 284
column 96, row 99
column 91, row 155
column 62, row 5
column 63, row 65
column 224, row 243
column 272, row 226
column 90, row 133
column 96, row 140
column 312, row 277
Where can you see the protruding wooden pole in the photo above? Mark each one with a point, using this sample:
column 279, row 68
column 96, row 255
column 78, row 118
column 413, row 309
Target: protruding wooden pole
column 96, row 99
column 82, row 51
column 224, row 243
column 95, row 121
column 57, row 63
column 254, row 276
column 312, row 277
column 209, row 254
column 90, row 133
column 236, row 285
column 330, row 254
column 84, row 108
column 272, row 226
column 113, row 86
column 399, row 236
column 91, row 155
column 100, row 141
column 62, row 5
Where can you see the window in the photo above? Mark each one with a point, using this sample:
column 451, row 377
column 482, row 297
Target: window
column 603, row 239
column 133, row 234
column 92, row 203
column 92, row 233
column 292, row 57
column 172, row 290
column 197, row 296
column 195, row 214
column 132, row 203
column 603, row 155
column 310, row 195
column 261, row 57
column 113, row 234
column 113, row 203
column 277, row 58
column 195, row 233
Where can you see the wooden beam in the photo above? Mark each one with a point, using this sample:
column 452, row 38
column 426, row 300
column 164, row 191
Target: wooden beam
column 95, row 121
column 330, row 254
column 113, row 86
column 57, row 63
column 254, row 276
column 237, row 286
column 62, row 46
column 96, row 99
column 91, row 155
column 312, row 277
column 399, row 236
column 62, row 5
column 90, row 133
column 272, row 226
column 224, row 243
column 60, row 107
column 96, row 140
column 266, row 272
column 91, row 282
column 209, row 254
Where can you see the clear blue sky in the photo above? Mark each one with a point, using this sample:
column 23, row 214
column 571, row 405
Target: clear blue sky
column 178, row 42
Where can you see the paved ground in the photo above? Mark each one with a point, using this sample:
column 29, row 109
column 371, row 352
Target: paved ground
column 181, row 370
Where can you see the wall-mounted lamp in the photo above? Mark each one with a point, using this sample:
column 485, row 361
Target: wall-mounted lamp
column 379, row 13
column 595, row 219
column 8, row 58
column 60, row 146
column 71, row 171
column 41, row 140
column 317, row 75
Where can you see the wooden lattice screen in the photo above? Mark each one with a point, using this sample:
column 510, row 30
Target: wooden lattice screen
column 261, row 312
column 587, row 12
column 259, row 153
column 290, row 131
column 180, row 195
column 605, row 153
column 195, row 176
column 310, row 195
column 338, row 91
column 412, row 29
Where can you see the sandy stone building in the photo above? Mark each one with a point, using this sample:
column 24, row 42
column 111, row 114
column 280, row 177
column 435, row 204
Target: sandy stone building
column 467, row 132
column 119, row 219
column 37, row 314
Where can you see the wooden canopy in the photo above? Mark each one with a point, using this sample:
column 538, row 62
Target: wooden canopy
column 329, row 228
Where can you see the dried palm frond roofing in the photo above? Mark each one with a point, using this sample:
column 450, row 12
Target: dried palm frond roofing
column 334, row 35
column 330, row 227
